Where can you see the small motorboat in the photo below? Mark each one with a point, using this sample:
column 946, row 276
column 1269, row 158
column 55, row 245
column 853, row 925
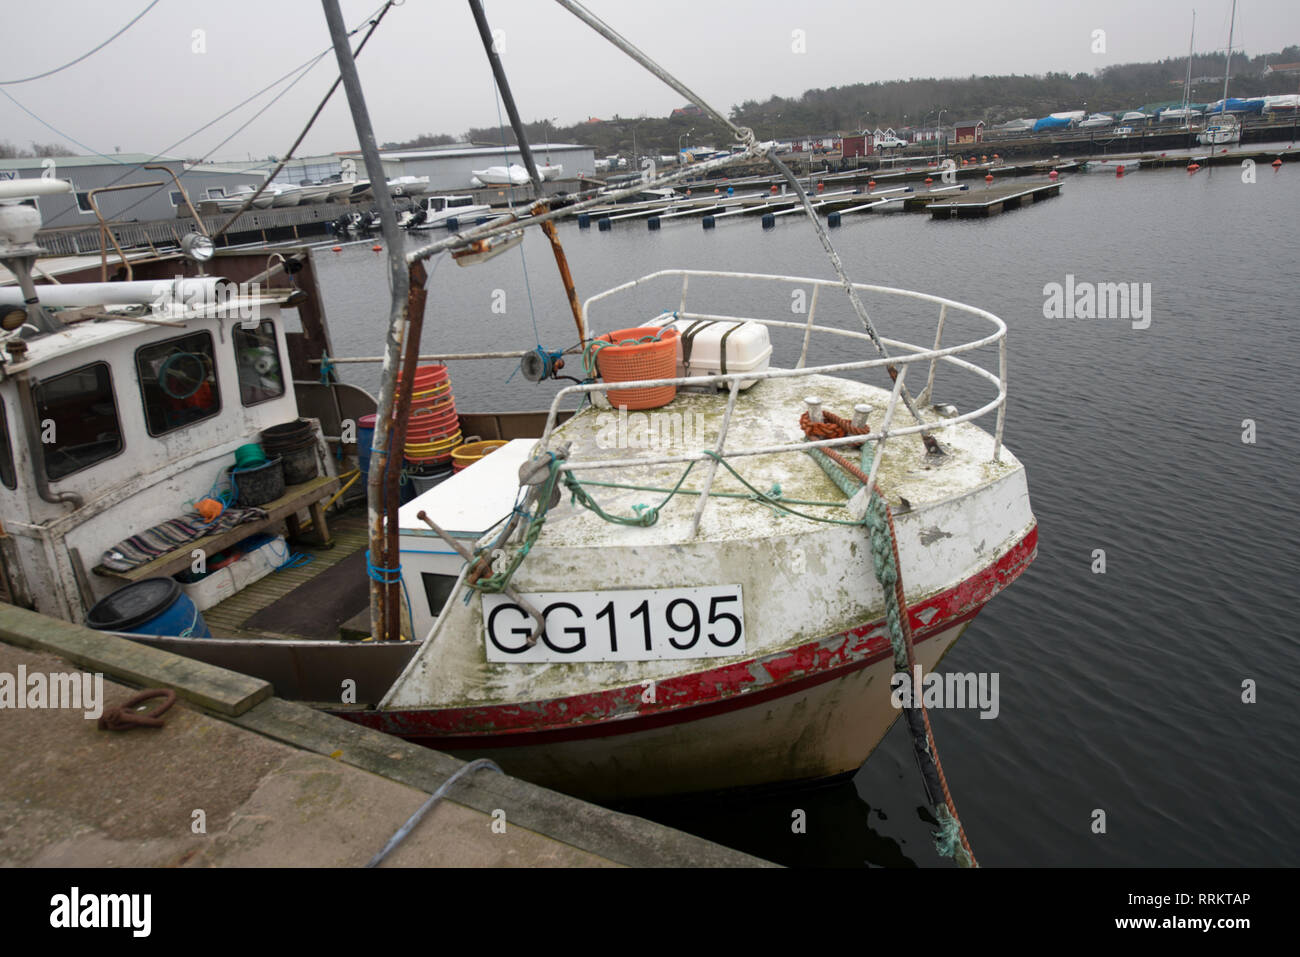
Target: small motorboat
column 436, row 211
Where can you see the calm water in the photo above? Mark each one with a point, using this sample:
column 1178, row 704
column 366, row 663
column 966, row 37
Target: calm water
column 1121, row 691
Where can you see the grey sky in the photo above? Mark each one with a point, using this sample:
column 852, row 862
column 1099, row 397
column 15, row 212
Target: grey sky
column 424, row 71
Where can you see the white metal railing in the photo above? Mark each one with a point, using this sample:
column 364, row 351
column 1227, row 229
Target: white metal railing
column 908, row 355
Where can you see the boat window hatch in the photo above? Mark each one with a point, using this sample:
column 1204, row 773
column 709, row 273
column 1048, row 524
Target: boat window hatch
column 437, row 589
column 178, row 382
column 258, row 360
column 78, row 419
column 461, row 201
column 7, row 474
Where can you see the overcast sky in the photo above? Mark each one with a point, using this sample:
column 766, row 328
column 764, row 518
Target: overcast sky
column 424, row 70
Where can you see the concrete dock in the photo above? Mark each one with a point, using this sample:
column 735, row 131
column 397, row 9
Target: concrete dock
column 238, row 777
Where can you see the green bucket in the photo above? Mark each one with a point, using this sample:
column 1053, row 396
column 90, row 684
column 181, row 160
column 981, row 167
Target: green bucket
column 250, row 454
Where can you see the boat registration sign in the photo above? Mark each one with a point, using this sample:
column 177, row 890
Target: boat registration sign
column 635, row 625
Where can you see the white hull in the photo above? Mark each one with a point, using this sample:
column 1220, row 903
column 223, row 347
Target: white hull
column 824, row 731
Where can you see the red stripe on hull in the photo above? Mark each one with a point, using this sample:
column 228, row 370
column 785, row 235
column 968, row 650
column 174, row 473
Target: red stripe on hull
column 698, row 695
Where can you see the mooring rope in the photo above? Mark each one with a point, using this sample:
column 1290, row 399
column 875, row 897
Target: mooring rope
column 950, row 839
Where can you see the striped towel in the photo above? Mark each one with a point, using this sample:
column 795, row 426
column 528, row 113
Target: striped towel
column 172, row 534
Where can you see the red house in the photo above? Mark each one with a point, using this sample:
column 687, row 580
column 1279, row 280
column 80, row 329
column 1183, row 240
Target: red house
column 969, row 131
column 858, row 146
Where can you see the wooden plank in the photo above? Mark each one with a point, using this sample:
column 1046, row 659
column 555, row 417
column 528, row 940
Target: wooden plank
column 295, row 499
column 215, row 689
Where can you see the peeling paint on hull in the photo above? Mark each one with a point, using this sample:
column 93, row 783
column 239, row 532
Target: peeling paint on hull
column 813, row 711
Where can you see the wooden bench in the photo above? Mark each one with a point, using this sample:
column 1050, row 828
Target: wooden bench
column 310, row 495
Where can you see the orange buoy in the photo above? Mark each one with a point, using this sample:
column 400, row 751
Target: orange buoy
column 1119, row 170
column 988, row 177
column 377, row 248
column 338, row 249
column 871, row 183
column 774, row 189
column 1193, row 167
column 1277, row 162
column 821, row 187
column 1053, row 174
column 928, row 181
column 963, row 162
column 984, row 159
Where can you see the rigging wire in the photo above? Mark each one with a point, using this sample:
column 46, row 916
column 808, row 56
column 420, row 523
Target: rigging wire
column 59, row 69
column 300, row 68
column 374, row 25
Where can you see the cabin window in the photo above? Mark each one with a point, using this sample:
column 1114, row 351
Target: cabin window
column 462, row 201
column 7, row 474
column 83, row 201
column 176, row 197
column 78, row 419
column 178, row 382
column 258, row 360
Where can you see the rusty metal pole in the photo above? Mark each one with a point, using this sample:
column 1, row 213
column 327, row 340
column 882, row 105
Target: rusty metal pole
column 530, row 163
column 415, row 301
column 377, row 510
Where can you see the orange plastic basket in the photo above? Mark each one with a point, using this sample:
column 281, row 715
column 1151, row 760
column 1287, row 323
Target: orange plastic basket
column 640, row 360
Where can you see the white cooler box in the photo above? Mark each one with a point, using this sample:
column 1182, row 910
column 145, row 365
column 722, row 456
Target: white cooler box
column 700, row 345
column 221, row 583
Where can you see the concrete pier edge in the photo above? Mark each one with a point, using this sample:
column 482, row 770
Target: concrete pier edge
column 250, row 703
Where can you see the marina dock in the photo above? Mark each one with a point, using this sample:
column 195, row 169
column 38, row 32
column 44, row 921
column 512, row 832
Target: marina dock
column 238, row 777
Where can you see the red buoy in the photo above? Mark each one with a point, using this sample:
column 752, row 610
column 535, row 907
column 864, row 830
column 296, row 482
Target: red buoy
column 988, row 178
column 774, row 189
column 928, row 181
column 1119, row 170
column 338, row 249
column 821, row 187
column 1053, row 174
column 1193, row 167
column 871, row 183
column 377, row 248
column 1277, row 162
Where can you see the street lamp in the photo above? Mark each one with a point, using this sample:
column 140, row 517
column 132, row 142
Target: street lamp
column 942, row 138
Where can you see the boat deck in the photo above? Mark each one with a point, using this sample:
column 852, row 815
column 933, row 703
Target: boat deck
column 766, row 414
column 307, row 614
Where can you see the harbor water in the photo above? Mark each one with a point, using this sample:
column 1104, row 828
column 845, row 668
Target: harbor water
column 1165, row 439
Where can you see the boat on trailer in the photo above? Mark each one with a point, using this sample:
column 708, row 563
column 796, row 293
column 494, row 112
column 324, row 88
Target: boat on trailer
column 618, row 602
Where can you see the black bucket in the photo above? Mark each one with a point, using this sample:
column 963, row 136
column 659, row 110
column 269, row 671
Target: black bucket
column 295, row 443
column 258, row 484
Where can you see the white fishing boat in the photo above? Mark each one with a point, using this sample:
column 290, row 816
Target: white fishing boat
column 264, row 201
column 339, row 192
column 1221, row 127
column 703, row 577
column 286, row 195
column 408, row 186
column 435, row 211
column 512, row 175
column 316, row 192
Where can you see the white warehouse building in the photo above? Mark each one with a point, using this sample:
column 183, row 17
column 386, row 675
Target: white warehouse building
column 450, row 168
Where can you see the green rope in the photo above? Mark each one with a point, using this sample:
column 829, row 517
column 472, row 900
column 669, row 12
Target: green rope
column 947, row 840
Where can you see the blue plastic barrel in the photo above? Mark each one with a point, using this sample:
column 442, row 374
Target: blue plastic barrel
column 153, row 606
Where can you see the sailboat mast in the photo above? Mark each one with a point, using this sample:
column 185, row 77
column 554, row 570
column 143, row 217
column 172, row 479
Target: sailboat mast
column 1187, row 83
column 1227, row 64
